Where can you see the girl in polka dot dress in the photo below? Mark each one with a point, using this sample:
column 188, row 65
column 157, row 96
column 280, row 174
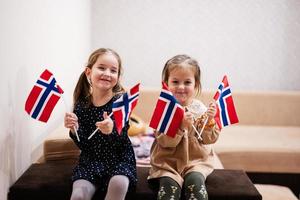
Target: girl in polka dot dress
column 107, row 160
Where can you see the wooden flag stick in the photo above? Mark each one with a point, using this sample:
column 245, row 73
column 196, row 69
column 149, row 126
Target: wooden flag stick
column 199, row 135
column 76, row 133
column 95, row 131
column 205, row 122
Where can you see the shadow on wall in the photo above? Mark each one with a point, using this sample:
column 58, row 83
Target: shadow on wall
column 16, row 144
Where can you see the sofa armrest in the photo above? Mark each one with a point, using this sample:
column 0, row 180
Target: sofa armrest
column 60, row 150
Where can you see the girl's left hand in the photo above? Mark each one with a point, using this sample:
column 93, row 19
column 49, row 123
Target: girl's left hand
column 211, row 111
column 105, row 126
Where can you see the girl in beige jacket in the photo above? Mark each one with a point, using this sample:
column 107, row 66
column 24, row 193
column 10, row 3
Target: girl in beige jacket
column 184, row 162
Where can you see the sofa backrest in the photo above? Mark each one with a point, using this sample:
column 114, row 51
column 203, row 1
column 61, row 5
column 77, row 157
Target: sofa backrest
column 268, row 108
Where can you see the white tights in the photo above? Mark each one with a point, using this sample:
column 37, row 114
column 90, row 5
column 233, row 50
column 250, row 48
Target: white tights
column 117, row 189
column 82, row 190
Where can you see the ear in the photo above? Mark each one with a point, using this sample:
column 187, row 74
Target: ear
column 87, row 72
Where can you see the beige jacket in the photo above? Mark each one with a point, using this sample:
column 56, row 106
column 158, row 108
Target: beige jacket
column 176, row 157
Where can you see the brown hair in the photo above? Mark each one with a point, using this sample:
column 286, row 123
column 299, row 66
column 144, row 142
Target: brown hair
column 177, row 62
column 82, row 89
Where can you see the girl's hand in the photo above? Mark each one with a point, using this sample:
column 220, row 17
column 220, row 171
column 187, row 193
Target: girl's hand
column 211, row 111
column 105, row 126
column 187, row 120
column 71, row 121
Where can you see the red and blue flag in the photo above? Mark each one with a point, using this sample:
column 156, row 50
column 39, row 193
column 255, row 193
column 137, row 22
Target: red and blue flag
column 226, row 113
column 168, row 113
column 124, row 105
column 43, row 97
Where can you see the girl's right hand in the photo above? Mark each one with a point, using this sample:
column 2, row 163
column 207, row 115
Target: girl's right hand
column 106, row 126
column 187, row 120
column 71, row 121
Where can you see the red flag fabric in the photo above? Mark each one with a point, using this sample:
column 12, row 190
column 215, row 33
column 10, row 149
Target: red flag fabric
column 226, row 113
column 43, row 97
column 168, row 113
column 124, row 105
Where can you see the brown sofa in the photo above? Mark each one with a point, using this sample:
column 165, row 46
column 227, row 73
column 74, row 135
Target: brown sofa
column 265, row 143
column 267, row 137
column 51, row 180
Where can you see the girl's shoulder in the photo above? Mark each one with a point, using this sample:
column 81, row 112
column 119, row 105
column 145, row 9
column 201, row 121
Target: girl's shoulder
column 197, row 107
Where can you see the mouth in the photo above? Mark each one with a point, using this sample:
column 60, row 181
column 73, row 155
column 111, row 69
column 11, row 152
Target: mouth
column 105, row 80
column 180, row 93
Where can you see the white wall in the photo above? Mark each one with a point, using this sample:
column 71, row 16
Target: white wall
column 256, row 43
column 35, row 35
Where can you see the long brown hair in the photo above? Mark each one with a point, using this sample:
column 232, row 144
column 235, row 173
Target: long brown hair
column 177, row 62
column 82, row 89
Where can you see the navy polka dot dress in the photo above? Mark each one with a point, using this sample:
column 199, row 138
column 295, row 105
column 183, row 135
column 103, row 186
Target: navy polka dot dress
column 103, row 156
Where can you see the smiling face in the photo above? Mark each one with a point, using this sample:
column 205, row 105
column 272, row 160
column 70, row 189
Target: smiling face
column 104, row 74
column 181, row 83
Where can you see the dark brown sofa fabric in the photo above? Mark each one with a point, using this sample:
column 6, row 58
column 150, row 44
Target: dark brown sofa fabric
column 52, row 181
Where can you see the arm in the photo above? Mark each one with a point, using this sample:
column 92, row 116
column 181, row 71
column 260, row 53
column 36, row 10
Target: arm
column 76, row 120
column 210, row 133
column 71, row 122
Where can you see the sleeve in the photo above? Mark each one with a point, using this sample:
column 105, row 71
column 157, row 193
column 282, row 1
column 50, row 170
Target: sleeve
column 167, row 141
column 84, row 143
column 74, row 138
column 210, row 133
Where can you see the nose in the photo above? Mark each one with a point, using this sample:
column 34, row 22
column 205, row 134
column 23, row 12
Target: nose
column 181, row 86
column 106, row 72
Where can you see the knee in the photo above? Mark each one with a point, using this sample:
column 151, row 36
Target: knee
column 79, row 194
column 119, row 184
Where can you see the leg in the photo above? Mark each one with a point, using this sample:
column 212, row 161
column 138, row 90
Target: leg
column 168, row 189
column 117, row 188
column 194, row 187
column 82, row 190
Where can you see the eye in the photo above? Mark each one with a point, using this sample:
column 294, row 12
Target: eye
column 113, row 71
column 188, row 82
column 101, row 67
column 175, row 82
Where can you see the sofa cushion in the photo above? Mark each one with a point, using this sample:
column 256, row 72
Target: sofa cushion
column 52, row 181
column 290, row 180
column 275, row 192
column 260, row 148
column 64, row 150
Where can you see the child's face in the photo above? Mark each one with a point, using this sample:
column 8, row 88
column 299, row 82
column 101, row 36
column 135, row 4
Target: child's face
column 181, row 83
column 104, row 73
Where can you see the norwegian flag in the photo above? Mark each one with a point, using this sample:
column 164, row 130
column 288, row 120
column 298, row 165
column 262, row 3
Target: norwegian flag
column 124, row 105
column 43, row 97
column 226, row 113
column 168, row 113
